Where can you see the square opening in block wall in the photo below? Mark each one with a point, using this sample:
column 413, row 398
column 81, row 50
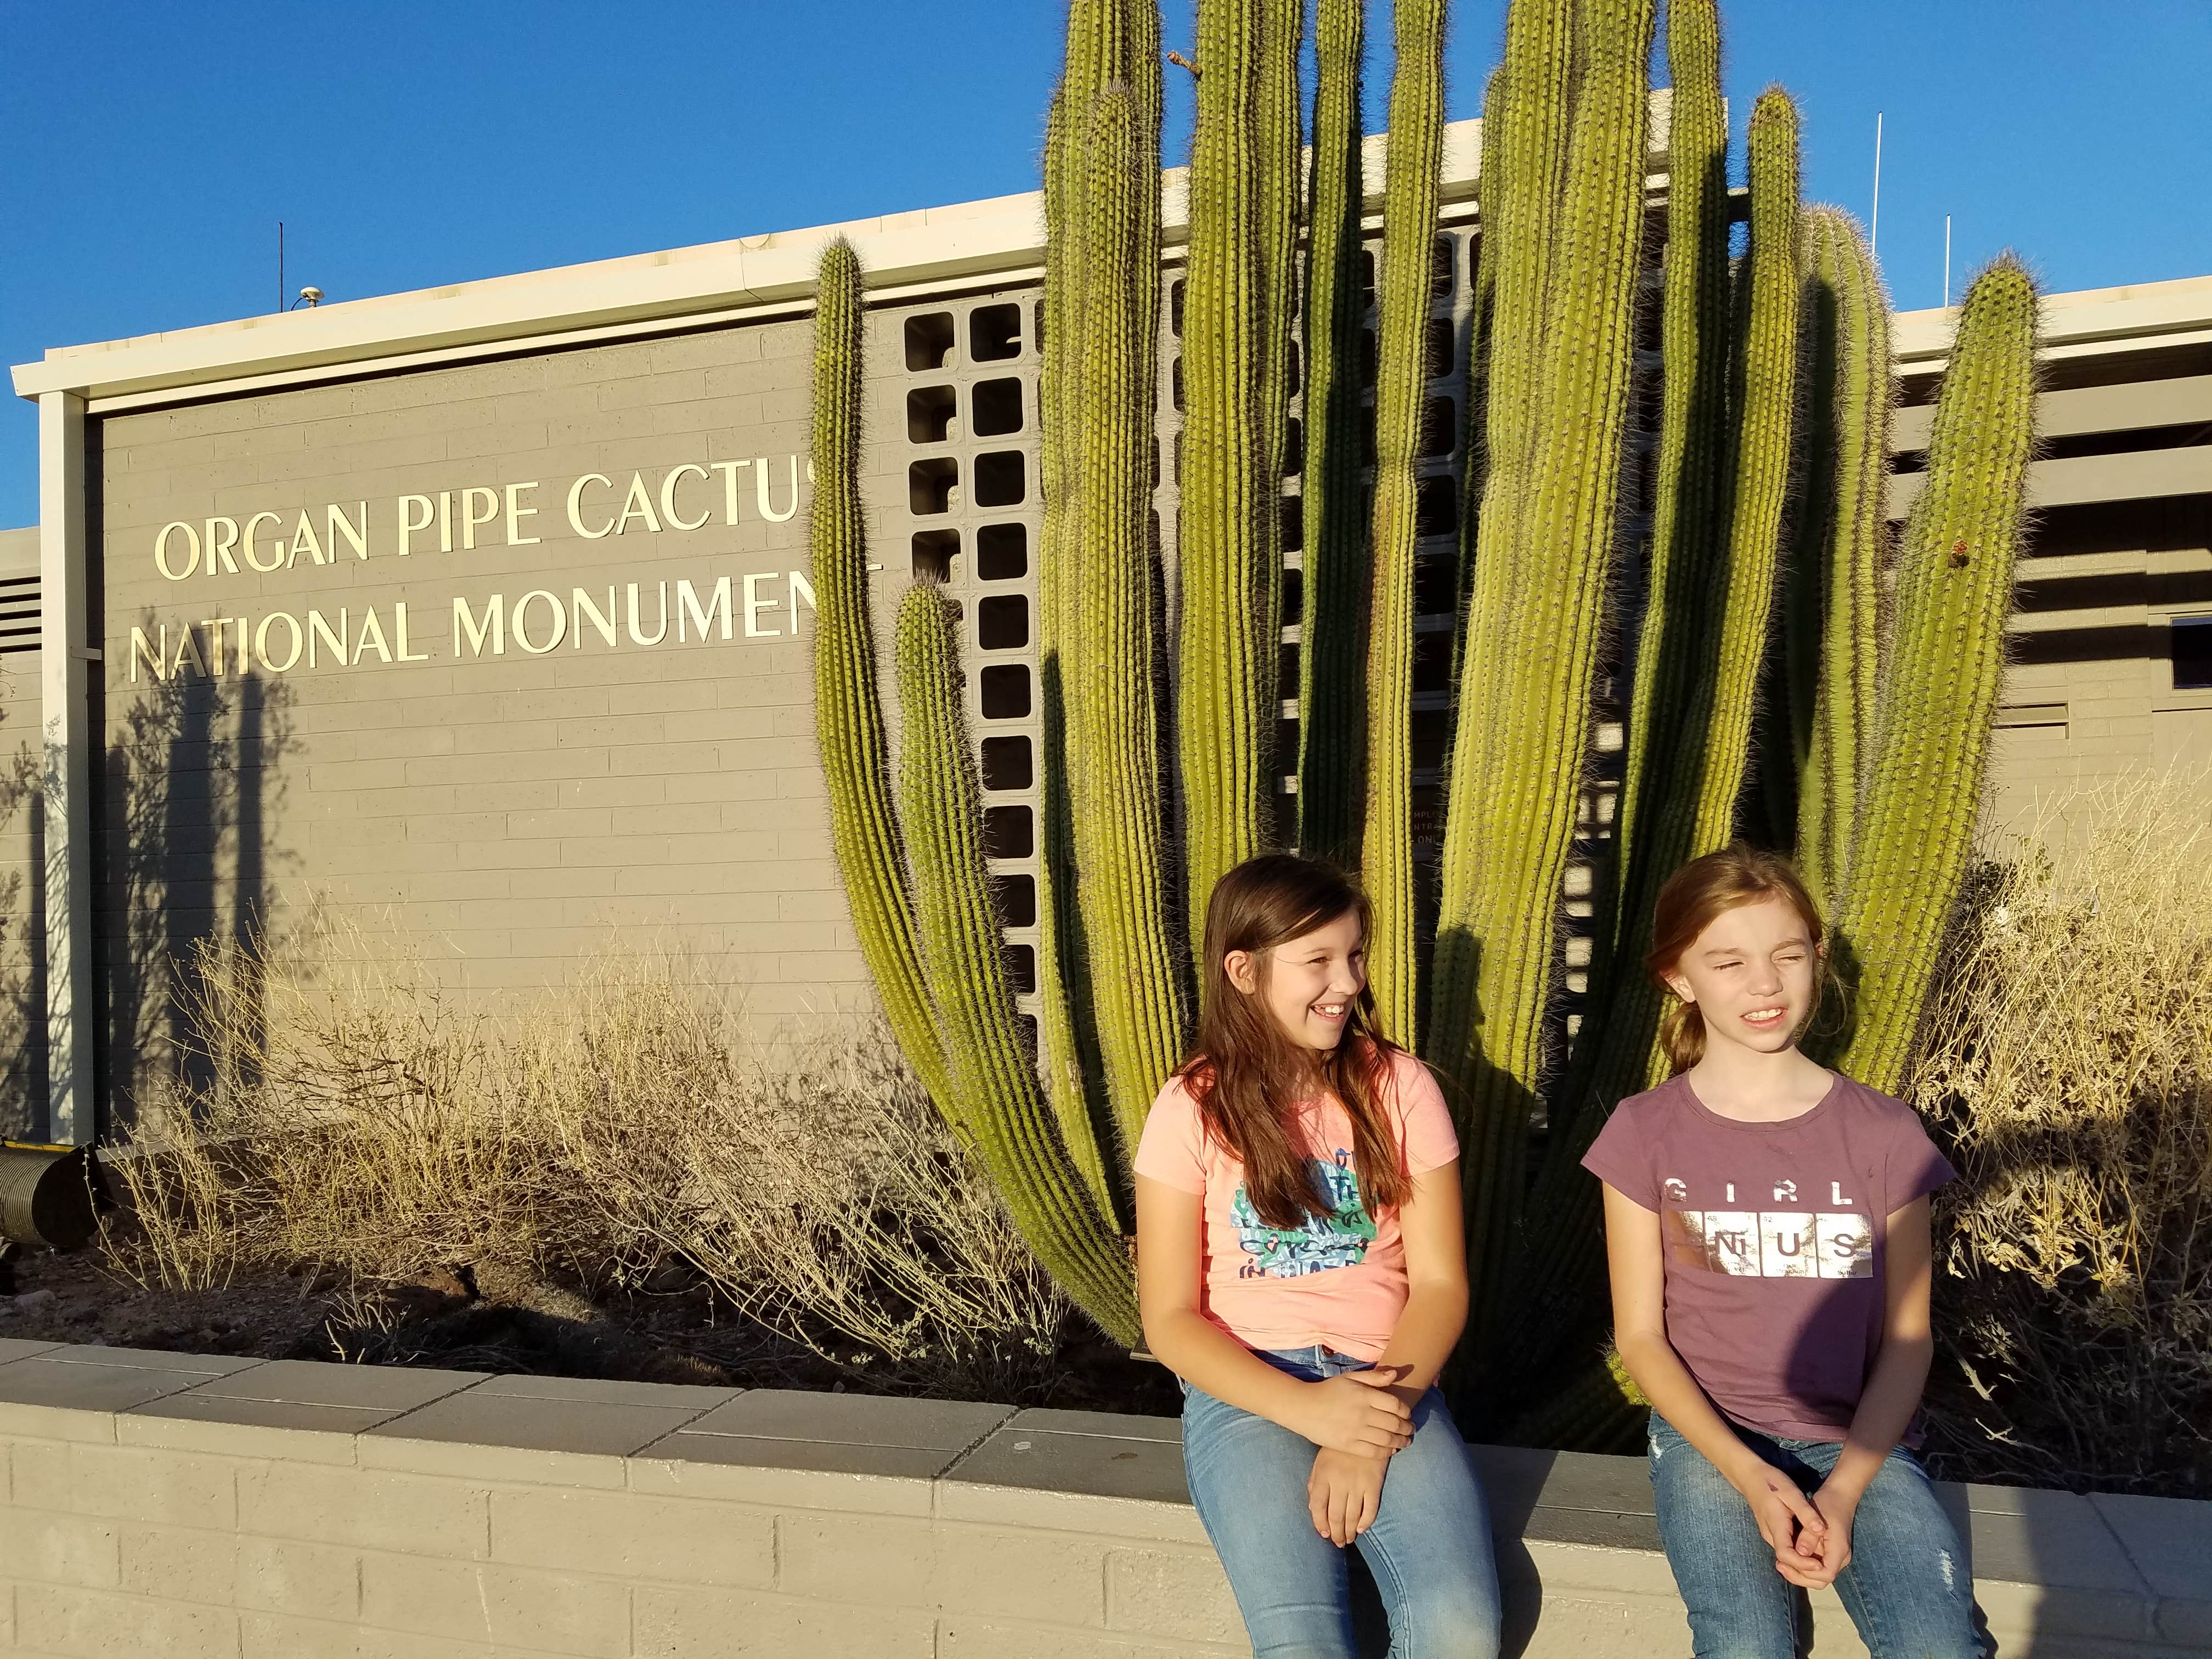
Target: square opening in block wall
column 1009, row 832
column 1440, row 347
column 1021, row 969
column 1294, row 370
column 996, row 407
column 1002, row 552
column 1440, row 267
column 928, row 341
column 1003, row 690
column 1175, row 307
column 1006, row 763
column 1287, row 666
column 2192, row 653
column 1293, row 511
column 1175, row 382
column 934, row 550
column 1436, row 587
column 1436, row 507
column 1439, row 427
column 1294, row 448
column 1367, row 357
column 1366, row 278
column 1002, row 622
column 1294, row 588
column 1017, row 896
column 1026, row 1026
column 929, row 414
column 931, row 485
column 1000, row 478
column 1432, row 653
column 995, row 333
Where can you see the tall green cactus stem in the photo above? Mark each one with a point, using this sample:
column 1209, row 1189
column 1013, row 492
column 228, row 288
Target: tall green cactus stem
column 1693, row 400
column 1227, row 641
column 1333, row 615
column 1832, row 609
column 1116, row 787
column 1489, row 187
column 1536, row 622
column 1525, row 144
column 999, row 1109
column 848, row 715
column 1412, row 158
column 1277, row 204
column 1939, row 683
column 1705, row 685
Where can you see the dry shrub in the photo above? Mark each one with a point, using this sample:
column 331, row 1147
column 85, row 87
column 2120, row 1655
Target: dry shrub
column 343, row 1111
column 2069, row 1062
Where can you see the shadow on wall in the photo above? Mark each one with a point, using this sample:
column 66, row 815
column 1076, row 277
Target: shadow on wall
column 22, row 908
column 192, row 774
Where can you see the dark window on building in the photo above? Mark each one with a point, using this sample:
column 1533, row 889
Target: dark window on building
column 999, row 479
column 1021, row 968
column 1002, row 622
column 995, row 333
column 1006, row 763
column 930, row 485
column 1005, row 691
column 2192, row 654
column 998, row 407
column 928, row 341
column 1002, row 552
column 934, row 552
column 1009, row 832
column 1016, row 897
column 929, row 412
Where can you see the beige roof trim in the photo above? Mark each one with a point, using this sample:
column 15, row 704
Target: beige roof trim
column 2083, row 323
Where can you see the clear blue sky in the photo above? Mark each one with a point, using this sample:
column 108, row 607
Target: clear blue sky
column 153, row 148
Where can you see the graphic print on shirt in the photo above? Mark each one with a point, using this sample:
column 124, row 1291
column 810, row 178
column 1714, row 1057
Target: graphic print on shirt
column 1791, row 1243
column 1337, row 1239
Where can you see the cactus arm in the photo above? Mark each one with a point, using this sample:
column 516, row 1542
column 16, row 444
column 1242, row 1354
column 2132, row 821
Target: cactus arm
column 1833, row 615
column 1490, row 186
column 1409, row 228
column 1940, row 684
column 999, row 1108
column 1116, row 787
column 1332, row 617
column 1694, row 395
column 848, row 715
column 1535, row 630
column 1227, row 705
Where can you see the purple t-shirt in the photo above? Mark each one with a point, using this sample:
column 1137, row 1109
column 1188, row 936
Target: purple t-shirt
column 1775, row 1241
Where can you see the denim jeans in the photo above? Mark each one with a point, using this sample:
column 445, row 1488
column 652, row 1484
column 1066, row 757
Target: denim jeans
column 1429, row 1549
column 1907, row 1587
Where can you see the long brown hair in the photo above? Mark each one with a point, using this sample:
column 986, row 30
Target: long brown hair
column 1246, row 1074
column 1694, row 894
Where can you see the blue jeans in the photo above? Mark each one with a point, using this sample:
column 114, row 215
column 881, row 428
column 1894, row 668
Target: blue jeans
column 1907, row 1587
column 1429, row 1549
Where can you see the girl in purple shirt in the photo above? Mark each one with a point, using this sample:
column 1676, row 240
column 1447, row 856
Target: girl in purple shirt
column 1766, row 1222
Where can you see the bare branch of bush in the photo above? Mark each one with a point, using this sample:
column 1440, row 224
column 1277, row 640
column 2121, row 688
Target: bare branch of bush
column 352, row 1116
column 2069, row 1061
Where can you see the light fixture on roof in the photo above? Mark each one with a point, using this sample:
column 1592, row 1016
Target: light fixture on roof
column 310, row 297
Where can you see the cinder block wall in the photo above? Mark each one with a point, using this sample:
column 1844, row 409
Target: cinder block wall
column 226, row 1509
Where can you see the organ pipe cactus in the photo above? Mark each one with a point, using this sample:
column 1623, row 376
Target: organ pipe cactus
column 1333, row 615
column 1938, row 686
column 1536, row 620
column 1832, row 612
column 997, row 1104
column 1235, row 350
column 1409, row 229
column 847, row 709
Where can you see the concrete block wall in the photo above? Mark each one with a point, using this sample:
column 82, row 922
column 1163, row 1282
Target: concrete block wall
column 209, row 1508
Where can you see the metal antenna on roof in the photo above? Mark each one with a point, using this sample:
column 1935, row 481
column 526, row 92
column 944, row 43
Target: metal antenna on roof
column 1874, row 226
column 1947, row 259
column 280, row 264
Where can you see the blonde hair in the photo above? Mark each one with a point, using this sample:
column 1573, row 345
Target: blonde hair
column 1695, row 895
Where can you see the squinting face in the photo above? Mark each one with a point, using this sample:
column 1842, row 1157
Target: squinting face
column 1752, row 973
column 1310, row 983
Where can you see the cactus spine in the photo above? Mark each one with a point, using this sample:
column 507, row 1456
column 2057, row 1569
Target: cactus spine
column 847, row 709
column 1119, row 818
column 1229, row 634
column 1831, row 612
column 1409, row 229
column 1940, row 684
column 998, row 1106
column 1535, row 622
column 1333, row 616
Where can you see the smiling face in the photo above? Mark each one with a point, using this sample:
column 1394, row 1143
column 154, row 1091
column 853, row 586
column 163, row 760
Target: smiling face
column 1308, row 983
column 1752, row 974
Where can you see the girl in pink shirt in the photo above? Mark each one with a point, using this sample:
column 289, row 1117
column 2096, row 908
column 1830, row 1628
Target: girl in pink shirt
column 1300, row 1268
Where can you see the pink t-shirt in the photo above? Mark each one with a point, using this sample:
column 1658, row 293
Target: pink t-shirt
column 1338, row 1278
